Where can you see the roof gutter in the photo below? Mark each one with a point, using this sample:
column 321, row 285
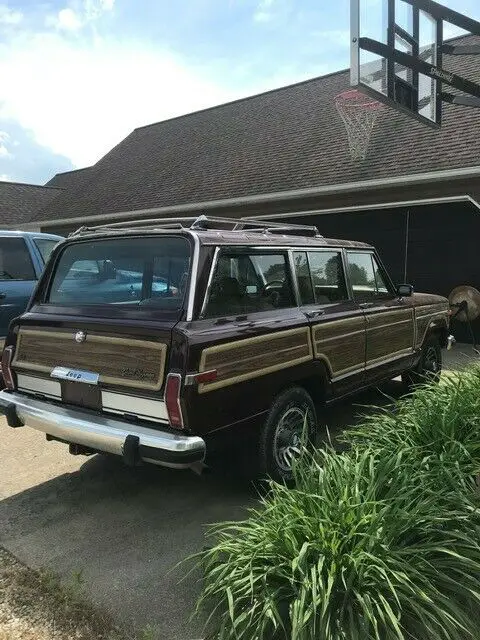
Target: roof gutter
column 397, row 204
column 332, row 189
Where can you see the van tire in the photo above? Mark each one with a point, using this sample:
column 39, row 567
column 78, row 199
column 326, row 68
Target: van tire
column 429, row 367
column 281, row 437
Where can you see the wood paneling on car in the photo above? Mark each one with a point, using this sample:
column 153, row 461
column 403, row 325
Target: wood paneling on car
column 341, row 343
column 253, row 357
column 118, row 361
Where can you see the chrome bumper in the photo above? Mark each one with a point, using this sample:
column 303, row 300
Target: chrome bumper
column 100, row 433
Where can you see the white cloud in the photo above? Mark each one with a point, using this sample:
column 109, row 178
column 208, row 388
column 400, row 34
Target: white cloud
column 5, row 178
column 80, row 97
column 451, row 31
column 69, row 20
column 9, row 16
column 4, row 138
column 76, row 16
column 335, row 37
column 264, row 11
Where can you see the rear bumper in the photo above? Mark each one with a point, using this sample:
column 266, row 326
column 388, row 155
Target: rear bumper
column 100, row 433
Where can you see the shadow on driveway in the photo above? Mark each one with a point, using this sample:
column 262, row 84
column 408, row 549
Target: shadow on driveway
column 126, row 529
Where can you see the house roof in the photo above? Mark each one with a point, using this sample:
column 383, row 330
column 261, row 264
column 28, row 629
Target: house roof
column 19, row 202
column 289, row 138
column 68, row 179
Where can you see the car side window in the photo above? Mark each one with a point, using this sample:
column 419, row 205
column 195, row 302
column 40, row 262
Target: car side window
column 328, row 277
column 320, row 277
column 15, row 261
column 247, row 283
column 45, row 246
column 366, row 277
column 304, row 280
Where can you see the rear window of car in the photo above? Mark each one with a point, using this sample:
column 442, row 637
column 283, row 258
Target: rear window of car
column 45, row 246
column 144, row 272
column 15, row 261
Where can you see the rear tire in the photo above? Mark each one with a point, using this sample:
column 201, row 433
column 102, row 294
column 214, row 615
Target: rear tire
column 429, row 367
column 291, row 424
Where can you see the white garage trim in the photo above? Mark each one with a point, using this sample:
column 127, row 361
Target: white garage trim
column 276, row 196
column 369, row 207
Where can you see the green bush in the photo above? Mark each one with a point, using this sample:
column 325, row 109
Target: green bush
column 364, row 547
column 440, row 421
column 380, row 542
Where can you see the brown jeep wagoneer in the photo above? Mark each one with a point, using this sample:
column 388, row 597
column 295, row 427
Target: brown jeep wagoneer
column 153, row 340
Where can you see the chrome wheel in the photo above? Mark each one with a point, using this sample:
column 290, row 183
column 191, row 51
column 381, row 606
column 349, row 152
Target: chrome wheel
column 289, row 437
column 431, row 364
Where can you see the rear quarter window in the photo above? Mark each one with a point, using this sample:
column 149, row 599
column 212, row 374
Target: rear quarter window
column 246, row 283
column 45, row 247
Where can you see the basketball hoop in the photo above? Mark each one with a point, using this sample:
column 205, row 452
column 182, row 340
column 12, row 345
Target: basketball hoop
column 359, row 113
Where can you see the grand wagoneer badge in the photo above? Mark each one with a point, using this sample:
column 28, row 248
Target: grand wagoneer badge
column 80, row 336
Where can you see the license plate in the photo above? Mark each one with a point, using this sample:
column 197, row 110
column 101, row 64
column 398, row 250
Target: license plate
column 82, row 395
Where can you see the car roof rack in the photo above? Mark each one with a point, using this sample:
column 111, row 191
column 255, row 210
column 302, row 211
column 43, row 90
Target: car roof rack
column 259, row 226
column 133, row 225
column 204, row 223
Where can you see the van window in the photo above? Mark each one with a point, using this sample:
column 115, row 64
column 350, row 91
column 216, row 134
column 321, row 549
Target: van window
column 45, row 246
column 247, row 283
column 15, row 261
column 327, row 276
column 302, row 269
column 134, row 271
column 366, row 277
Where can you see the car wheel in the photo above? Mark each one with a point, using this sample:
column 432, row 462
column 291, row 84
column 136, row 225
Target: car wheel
column 290, row 426
column 429, row 367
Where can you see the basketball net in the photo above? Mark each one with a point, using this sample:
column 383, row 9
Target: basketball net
column 359, row 113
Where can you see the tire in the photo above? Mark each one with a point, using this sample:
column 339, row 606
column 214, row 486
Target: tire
column 429, row 367
column 291, row 417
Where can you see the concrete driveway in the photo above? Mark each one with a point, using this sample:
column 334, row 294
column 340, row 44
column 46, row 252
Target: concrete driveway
column 125, row 529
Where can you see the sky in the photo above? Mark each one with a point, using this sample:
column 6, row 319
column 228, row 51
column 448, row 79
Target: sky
column 77, row 76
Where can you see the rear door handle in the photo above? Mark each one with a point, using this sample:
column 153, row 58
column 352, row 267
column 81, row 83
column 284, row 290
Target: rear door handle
column 3, row 295
column 315, row 314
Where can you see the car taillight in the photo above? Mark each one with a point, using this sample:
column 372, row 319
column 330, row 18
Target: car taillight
column 7, row 357
column 172, row 400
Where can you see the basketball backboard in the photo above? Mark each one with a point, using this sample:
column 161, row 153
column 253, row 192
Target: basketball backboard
column 397, row 52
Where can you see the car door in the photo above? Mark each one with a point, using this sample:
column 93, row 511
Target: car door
column 17, row 279
column 250, row 333
column 390, row 322
column 337, row 321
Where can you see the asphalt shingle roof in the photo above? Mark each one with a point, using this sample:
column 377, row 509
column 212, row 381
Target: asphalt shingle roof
column 289, row 138
column 68, row 179
column 19, row 202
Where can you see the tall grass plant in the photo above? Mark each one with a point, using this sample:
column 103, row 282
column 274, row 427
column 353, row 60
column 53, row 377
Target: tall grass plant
column 381, row 542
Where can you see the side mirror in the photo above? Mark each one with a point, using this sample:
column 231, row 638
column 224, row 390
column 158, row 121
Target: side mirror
column 404, row 290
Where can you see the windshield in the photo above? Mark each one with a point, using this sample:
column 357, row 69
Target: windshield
column 142, row 272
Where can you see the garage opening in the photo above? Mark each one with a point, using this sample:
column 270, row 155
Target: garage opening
column 434, row 247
